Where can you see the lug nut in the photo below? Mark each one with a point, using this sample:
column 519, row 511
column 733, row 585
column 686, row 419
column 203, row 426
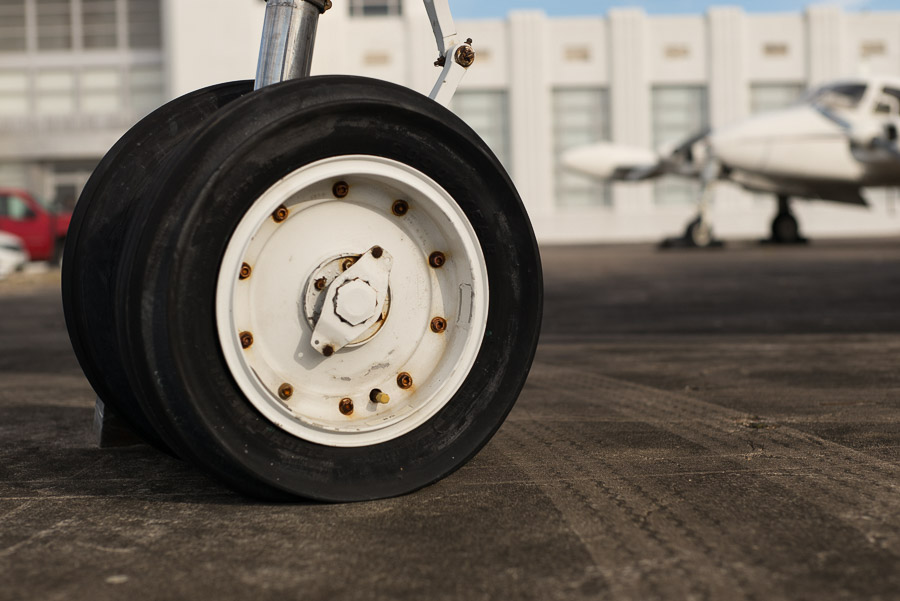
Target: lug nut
column 438, row 325
column 280, row 214
column 404, row 381
column 400, row 208
column 465, row 56
column 346, row 406
column 328, row 351
column 321, row 283
column 246, row 270
column 376, row 396
column 437, row 259
column 286, row 391
column 377, row 252
column 246, row 339
column 341, row 190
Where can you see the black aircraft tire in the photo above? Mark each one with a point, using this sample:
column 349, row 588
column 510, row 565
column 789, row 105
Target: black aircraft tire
column 785, row 229
column 169, row 325
column 93, row 250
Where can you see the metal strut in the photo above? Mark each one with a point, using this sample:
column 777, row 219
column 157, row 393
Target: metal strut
column 289, row 38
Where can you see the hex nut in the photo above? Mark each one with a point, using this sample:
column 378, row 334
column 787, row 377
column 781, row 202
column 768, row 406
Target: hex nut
column 404, row 381
column 465, row 56
column 437, row 259
column 438, row 325
column 341, row 190
column 346, row 406
column 321, row 283
column 246, row 339
column 328, row 351
column 400, row 208
column 286, row 391
column 377, row 252
column 280, row 214
column 246, row 270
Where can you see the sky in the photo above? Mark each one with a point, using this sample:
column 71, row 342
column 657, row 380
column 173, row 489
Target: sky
column 474, row 9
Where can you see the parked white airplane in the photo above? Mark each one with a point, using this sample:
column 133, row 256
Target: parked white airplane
column 841, row 138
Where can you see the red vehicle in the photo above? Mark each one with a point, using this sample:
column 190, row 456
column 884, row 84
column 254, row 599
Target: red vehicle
column 42, row 228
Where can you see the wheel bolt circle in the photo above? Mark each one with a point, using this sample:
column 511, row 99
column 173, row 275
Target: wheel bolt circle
column 280, row 214
column 400, row 208
column 346, row 406
column 341, row 190
column 246, row 339
column 438, row 325
column 286, row 391
column 437, row 259
column 404, row 381
column 246, row 270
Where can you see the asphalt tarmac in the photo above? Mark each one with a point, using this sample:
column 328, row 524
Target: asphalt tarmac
column 697, row 425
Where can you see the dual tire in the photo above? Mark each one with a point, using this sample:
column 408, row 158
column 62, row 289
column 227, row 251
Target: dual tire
column 228, row 216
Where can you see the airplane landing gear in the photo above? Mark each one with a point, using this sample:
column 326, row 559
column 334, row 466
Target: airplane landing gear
column 320, row 287
column 785, row 228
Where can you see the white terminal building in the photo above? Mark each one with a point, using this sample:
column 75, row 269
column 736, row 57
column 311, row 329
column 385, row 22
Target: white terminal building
column 75, row 74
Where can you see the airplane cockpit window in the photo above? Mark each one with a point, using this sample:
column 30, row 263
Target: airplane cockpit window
column 889, row 102
column 840, row 97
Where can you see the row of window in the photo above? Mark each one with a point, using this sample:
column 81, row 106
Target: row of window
column 135, row 91
column 581, row 117
column 60, row 25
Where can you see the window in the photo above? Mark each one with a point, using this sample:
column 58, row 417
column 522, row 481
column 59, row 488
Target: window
column 770, row 97
column 100, row 91
column 839, row 97
column 375, row 8
column 145, row 89
column 580, row 117
column 54, row 24
column 55, row 92
column 889, row 102
column 12, row 26
column 13, row 93
column 679, row 112
column 13, row 207
column 487, row 112
column 99, row 23
column 144, row 24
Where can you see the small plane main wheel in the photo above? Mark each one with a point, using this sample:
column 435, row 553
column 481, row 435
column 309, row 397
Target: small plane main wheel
column 337, row 294
column 785, row 229
column 113, row 196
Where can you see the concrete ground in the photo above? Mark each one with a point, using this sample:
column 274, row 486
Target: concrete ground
column 698, row 425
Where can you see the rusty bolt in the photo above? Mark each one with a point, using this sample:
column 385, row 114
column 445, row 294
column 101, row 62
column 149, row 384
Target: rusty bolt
column 246, row 270
column 347, row 263
column 286, row 391
column 346, row 406
column 246, row 339
column 280, row 214
column 328, row 5
column 437, row 259
column 341, row 190
column 376, row 396
column 377, row 252
column 440, row 62
column 321, row 283
column 404, row 381
column 328, row 351
column 400, row 208
column 438, row 325
column 465, row 56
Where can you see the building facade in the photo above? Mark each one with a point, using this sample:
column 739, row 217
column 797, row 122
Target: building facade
column 74, row 74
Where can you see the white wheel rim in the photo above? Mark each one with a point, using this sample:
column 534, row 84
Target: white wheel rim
column 271, row 304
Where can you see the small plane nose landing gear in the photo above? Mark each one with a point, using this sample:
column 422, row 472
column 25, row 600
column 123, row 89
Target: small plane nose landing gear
column 324, row 288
